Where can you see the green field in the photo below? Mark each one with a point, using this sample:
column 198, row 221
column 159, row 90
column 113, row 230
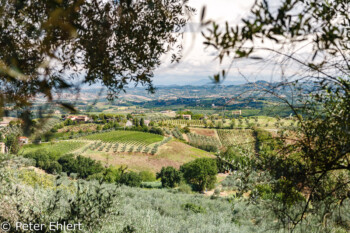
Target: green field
column 133, row 137
column 62, row 147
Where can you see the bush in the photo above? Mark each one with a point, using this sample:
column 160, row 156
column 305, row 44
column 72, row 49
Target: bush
column 186, row 130
column 151, row 185
column 193, row 208
column 109, row 175
column 83, row 166
column 209, row 148
column 185, row 188
column 200, row 173
column 130, row 179
column 147, row 176
column 54, row 168
column 46, row 160
column 11, row 142
column 231, row 160
column 169, row 176
column 156, row 131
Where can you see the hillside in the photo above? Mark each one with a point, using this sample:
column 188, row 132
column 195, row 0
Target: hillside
column 173, row 153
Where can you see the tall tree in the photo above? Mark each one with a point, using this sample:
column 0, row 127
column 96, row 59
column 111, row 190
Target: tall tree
column 200, row 173
column 169, row 176
column 12, row 143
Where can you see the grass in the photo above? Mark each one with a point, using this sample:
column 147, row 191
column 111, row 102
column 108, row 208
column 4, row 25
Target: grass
column 62, row 147
column 139, row 138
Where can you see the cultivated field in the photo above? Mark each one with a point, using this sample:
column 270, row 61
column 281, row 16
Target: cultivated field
column 128, row 137
column 200, row 140
column 204, row 132
column 173, row 153
column 62, row 147
column 129, row 147
column 240, row 138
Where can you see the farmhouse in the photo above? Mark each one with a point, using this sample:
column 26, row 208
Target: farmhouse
column 23, row 140
column 186, row 117
column 79, row 118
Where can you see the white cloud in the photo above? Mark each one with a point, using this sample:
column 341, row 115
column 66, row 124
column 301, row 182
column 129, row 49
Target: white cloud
column 199, row 62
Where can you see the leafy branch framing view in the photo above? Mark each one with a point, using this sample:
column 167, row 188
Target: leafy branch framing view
column 287, row 171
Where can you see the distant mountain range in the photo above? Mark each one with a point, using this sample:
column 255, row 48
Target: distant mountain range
column 204, row 82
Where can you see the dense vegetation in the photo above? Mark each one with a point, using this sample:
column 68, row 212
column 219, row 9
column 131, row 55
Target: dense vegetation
column 277, row 175
column 200, row 173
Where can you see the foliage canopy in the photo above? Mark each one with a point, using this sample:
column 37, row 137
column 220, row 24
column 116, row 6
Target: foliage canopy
column 310, row 41
column 50, row 46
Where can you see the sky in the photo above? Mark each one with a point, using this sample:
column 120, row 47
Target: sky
column 199, row 62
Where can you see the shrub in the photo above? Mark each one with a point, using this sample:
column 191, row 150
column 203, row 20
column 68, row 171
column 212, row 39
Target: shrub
column 130, row 179
column 54, row 168
column 147, row 176
column 185, row 188
column 186, row 130
column 200, row 173
column 217, row 192
column 209, row 148
column 109, row 175
column 11, row 142
column 45, row 160
column 231, row 160
column 193, row 208
column 156, row 130
column 32, row 178
column 169, row 176
column 151, row 185
column 83, row 166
